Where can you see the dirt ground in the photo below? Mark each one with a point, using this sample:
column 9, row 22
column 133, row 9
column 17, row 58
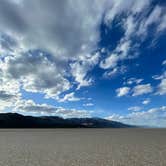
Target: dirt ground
column 82, row 147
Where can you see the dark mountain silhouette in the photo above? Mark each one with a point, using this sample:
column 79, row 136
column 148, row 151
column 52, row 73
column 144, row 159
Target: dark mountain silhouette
column 14, row 120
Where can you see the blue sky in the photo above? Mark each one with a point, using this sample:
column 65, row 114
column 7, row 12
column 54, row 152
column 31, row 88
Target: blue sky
column 84, row 59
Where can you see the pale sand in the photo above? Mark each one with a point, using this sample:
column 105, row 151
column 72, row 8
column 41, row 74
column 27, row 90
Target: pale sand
column 82, row 147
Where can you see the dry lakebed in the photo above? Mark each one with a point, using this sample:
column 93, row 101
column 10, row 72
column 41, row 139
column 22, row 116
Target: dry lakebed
column 83, row 147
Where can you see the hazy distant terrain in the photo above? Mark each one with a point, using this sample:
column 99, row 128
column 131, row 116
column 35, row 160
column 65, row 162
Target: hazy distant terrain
column 83, row 147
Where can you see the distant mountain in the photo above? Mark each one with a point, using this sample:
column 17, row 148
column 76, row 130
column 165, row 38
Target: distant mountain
column 14, row 120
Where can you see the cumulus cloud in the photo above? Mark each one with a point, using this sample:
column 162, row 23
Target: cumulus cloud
column 142, row 89
column 146, row 101
column 69, row 97
column 35, row 30
column 36, row 73
column 9, row 93
column 131, row 81
column 48, row 28
column 80, row 68
column 15, row 103
column 164, row 62
column 109, row 74
column 135, row 91
column 30, row 107
column 153, row 117
column 123, row 91
column 119, row 54
column 162, row 87
column 5, row 96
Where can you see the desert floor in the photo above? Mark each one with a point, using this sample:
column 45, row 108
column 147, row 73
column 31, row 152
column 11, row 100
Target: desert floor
column 82, row 147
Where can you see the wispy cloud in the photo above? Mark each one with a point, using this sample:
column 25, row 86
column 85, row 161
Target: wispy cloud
column 134, row 108
column 153, row 117
column 88, row 104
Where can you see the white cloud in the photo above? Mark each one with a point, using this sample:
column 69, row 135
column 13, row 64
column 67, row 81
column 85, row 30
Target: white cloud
column 80, row 68
column 9, row 93
column 131, row 81
column 162, row 25
column 153, row 117
column 109, row 74
column 162, row 87
column 36, row 73
column 33, row 30
column 134, row 108
column 130, row 25
column 48, row 28
column 88, row 104
column 135, row 91
column 134, row 25
column 120, row 6
column 119, row 54
column 142, row 89
column 158, row 77
column 30, row 107
column 123, row 91
column 109, row 62
column 151, row 19
column 69, row 97
column 53, row 34
column 146, row 101
column 115, row 71
column 70, row 44
column 164, row 62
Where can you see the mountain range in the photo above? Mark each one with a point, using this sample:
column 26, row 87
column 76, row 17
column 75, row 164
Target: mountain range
column 15, row 120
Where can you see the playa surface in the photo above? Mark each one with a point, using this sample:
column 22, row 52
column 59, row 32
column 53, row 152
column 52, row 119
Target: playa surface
column 82, row 147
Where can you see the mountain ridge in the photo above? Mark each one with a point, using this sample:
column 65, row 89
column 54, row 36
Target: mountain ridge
column 15, row 120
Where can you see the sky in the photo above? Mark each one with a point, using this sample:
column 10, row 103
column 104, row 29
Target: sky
column 84, row 59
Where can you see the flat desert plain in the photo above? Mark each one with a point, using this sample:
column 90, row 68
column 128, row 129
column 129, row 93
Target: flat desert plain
column 82, row 147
